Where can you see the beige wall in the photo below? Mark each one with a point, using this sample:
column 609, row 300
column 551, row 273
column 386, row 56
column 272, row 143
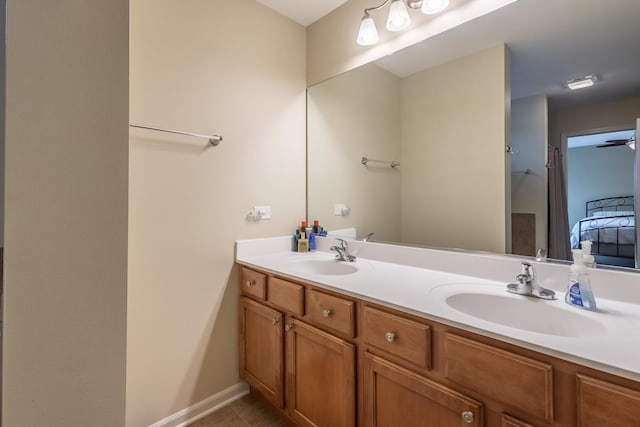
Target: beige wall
column 454, row 172
column 229, row 67
column 353, row 115
column 529, row 130
column 65, row 213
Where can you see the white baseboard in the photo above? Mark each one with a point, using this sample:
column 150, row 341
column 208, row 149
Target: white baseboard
column 203, row 408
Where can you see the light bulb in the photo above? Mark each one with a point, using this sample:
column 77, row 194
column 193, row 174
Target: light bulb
column 430, row 7
column 368, row 33
column 398, row 18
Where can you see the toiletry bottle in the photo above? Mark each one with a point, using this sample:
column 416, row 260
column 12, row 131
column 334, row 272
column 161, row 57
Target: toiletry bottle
column 312, row 241
column 579, row 293
column 589, row 260
column 318, row 229
column 294, row 243
column 303, row 242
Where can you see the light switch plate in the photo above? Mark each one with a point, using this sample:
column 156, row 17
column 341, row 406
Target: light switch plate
column 341, row 210
column 260, row 212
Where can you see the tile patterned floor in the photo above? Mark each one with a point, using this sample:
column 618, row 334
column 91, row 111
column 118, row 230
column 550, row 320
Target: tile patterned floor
column 248, row 411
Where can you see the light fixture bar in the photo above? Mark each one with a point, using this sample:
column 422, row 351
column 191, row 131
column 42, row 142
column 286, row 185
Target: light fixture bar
column 398, row 18
column 582, row 82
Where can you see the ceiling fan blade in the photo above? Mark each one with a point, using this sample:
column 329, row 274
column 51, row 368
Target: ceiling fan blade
column 613, row 143
column 618, row 141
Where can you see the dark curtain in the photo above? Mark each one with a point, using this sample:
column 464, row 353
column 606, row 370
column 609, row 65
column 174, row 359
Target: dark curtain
column 559, row 237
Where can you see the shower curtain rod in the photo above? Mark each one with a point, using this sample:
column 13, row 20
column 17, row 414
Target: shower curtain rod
column 213, row 139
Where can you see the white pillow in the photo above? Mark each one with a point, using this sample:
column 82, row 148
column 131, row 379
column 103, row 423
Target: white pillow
column 613, row 213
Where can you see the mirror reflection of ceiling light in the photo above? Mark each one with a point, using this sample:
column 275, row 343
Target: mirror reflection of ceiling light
column 398, row 18
column 632, row 143
column 582, row 82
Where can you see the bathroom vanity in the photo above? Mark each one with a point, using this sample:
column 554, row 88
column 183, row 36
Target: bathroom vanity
column 407, row 337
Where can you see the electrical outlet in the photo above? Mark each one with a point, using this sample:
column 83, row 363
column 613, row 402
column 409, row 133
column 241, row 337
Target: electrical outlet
column 261, row 212
column 341, row 210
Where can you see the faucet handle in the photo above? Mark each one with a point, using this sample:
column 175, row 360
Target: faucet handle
column 343, row 243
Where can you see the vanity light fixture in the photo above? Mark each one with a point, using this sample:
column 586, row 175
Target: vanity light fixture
column 582, row 82
column 398, row 18
column 632, row 143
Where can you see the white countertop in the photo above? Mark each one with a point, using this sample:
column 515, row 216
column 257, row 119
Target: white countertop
column 608, row 340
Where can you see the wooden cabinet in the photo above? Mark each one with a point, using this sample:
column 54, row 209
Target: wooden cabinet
column 514, row 380
column 329, row 311
column 320, row 377
column 330, row 360
column 318, row 387
column 394, row 396
column 509, row 421
column 602, row 404
column 396, row 336
column 261, row 350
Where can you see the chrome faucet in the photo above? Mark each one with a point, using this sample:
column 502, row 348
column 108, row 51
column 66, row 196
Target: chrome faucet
column 367, row 237
column 343, row 251
column 528, row 284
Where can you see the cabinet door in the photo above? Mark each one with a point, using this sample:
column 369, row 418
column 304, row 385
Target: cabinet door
column 320, row 375
column 602, row 404
column 394, row 396
column 261, row 350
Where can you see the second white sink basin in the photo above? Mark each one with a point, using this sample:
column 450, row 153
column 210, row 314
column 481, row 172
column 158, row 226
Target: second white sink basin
column 329, row 267
column 520, row 312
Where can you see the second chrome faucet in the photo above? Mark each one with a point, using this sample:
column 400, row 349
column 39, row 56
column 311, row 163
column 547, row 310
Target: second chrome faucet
column 528, row 284
column 343, row 251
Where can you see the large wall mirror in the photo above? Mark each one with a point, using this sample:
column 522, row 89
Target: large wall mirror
column 472, row 140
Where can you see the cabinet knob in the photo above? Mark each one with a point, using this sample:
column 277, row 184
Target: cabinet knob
column 390, row 336
column 274, row 321
column 467, row 417
column 250, row 283
column 288, row 327
column 327, row 312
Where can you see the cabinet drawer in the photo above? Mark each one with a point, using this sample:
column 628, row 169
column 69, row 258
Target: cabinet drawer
column 289, row 296
column 332, row 312
column 253, row 283
column 398, row 336
column 514, row 380
column 604, row 404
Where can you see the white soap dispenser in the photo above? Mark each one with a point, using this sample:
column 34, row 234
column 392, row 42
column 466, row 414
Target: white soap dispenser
column 579, row 293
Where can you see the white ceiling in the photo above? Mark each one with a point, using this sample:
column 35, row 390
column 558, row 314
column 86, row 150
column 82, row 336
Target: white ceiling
column 304, row 12
column 551, row 41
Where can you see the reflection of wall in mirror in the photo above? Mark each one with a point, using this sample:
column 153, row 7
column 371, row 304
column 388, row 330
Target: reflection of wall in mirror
column 350, row 116
column 451, row 138
column 529, row 142
column 453, row 153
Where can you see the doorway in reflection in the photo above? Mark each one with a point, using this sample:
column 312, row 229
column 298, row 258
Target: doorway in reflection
column 600, row 194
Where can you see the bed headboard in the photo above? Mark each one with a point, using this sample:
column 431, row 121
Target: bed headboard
column 610, row 204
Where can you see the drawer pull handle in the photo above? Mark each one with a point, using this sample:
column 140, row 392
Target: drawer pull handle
column 274, row 321
column 250, row 283
column 467, row 417
column 390, row 336
column 327, row 312
column 288, row 327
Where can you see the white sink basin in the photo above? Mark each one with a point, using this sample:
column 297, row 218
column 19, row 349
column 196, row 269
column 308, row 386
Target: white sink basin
column 329, row 267
column 516, row 311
